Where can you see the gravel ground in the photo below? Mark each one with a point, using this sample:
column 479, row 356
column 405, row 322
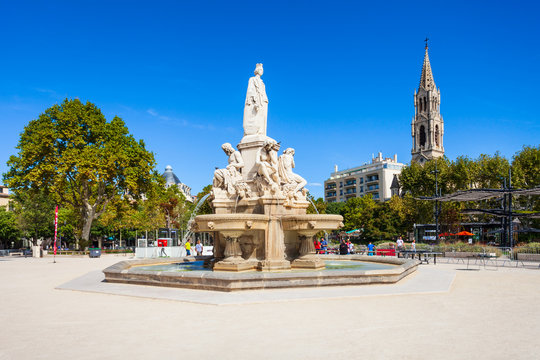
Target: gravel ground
column 487, row 314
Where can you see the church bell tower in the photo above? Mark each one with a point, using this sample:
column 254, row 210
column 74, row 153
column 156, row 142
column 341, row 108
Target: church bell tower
column 427, row 125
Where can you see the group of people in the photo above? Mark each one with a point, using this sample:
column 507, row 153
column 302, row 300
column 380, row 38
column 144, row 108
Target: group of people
column 198, row 248
column 401, row 244
column 345, row 246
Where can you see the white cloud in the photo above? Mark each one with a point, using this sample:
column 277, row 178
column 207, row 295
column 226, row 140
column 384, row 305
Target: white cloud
column 181, row 122
column 314, row 184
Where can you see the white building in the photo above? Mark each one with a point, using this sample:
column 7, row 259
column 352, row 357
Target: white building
column 375, row 179
column 4, row 196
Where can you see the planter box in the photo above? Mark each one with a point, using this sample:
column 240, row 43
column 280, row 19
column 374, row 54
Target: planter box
column 528, row 257
column 459, row 254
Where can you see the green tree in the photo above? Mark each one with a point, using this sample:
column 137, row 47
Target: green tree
column 463, row 173
column 491, row 169
column 205, row 208
column 8, row 227
column 80, row 159
column 34, row 211
column 526, row 168
column 335, row 208
column 320, row 205
column 358, row 213
column 174, row 208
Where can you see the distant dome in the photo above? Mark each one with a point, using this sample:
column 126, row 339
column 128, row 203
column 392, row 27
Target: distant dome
column 170, row 177
column 172, row 180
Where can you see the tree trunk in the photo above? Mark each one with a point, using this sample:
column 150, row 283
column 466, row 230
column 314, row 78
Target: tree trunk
column 87, row 225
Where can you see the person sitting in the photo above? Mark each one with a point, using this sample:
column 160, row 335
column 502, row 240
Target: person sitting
column 350, row 245
column 343, row 248
column 324, row 246
column 317, row 245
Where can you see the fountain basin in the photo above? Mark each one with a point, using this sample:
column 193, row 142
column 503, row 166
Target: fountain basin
column 306, row 226
column 236, row 230
column 233, row 223
column 129, row 272
column 310, row 224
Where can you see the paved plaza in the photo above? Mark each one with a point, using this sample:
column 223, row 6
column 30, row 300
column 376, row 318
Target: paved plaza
column 440, row 312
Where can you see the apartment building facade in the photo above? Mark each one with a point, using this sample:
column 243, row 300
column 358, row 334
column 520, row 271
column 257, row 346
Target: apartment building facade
column 375, row 179
column 4, row 196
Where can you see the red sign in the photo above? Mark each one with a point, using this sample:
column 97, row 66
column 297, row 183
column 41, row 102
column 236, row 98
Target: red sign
column 55, row 227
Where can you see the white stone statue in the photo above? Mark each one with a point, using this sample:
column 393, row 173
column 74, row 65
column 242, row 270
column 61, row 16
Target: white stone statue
column 228, row 178
column 267, row 163
column 286, row 174
column 256, row 106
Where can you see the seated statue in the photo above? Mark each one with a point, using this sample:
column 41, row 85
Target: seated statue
column 228, row 178
column 292, row 183
column 267, row 163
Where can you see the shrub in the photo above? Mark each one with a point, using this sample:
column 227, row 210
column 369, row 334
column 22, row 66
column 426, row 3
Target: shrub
column 530, row 248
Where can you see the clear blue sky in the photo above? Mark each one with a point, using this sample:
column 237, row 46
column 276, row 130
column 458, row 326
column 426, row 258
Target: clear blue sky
column 340, row 76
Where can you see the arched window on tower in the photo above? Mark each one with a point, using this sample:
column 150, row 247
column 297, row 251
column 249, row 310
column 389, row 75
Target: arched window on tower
column 422, row 136
column 425, row 104
column 420, row 105
column 437, row 135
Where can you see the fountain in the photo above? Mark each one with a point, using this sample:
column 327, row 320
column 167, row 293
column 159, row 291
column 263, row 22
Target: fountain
column 260, row 221
column 260, row 225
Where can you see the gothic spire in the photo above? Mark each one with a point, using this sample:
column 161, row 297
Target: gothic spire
column 426, row 79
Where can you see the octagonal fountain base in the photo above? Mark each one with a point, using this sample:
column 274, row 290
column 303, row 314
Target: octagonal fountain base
column 132, row 272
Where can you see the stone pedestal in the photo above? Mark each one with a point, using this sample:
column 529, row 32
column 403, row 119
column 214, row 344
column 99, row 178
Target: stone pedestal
column 248, row 147
column 274, row 241
column 233, row 260
column 307, row 258
column 235, row 267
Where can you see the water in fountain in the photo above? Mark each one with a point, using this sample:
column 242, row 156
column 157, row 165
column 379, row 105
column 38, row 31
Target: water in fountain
column 312, row 203
column 317, row 211
column 189, row 233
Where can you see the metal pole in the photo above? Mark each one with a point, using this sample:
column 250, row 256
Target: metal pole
column 510, row 231
column 504, row 219
column 436, row 202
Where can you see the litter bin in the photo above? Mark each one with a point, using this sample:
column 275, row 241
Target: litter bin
column 94, row 252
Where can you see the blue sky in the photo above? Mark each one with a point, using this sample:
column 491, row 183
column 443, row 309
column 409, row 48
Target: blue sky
column 340, row 76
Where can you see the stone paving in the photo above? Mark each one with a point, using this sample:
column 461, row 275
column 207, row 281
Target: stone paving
column 440, row 312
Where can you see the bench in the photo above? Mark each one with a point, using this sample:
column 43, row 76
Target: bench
column 385, row 252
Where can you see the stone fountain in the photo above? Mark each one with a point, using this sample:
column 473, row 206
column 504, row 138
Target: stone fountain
column 260, row 221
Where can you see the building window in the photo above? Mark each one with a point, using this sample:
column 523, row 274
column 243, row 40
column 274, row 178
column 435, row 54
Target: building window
column 361, row 189
column 437, row 135
column 422, row 136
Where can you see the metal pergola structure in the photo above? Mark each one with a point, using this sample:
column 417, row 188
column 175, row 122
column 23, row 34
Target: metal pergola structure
column 505, row 194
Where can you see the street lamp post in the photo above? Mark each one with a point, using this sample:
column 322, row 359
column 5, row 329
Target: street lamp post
column 437, row 209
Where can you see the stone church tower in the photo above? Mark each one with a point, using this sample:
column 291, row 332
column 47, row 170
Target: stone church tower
column 427, row 125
